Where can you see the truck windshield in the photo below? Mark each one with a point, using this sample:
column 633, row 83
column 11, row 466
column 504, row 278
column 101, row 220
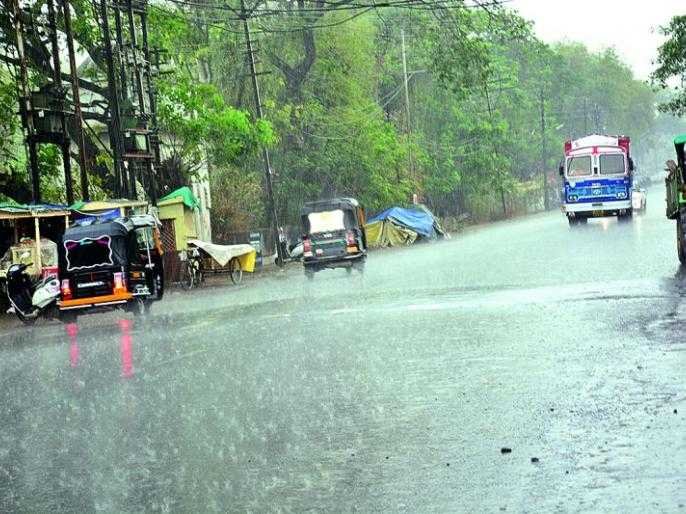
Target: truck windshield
column 611, row 164
column 579, row 166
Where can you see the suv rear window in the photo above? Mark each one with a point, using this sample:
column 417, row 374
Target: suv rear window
column 326, row 221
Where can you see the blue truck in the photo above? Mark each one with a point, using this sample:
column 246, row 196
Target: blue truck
column 597, row 171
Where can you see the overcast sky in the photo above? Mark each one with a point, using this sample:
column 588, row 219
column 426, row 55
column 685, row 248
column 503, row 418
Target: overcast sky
column 630, row 26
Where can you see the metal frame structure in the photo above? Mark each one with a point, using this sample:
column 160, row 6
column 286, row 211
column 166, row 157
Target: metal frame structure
column 133, row 117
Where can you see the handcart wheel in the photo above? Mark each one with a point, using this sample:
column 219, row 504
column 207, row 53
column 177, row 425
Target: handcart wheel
column 235, row 271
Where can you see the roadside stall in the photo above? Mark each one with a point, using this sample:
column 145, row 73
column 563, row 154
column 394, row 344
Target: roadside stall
column 178, row 215
column 107, row 210
column 177, row 212
column 28, row 235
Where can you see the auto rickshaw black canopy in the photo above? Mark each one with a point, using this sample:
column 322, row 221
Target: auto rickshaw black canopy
column 354, row 213
column 118, row 233
column 328, row 205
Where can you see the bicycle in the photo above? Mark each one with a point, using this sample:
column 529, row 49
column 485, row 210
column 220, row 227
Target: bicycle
column 192, row 270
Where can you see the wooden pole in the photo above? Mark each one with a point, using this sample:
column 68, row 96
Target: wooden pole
column 39, row 261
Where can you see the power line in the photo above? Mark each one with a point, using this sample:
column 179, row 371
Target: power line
column 348, row 6
column 420, row 5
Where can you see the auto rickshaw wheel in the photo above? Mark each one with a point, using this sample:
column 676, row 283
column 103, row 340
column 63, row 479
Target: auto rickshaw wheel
column 139, row 307
column 680, row 241
column 235, row 271
column 158, row 282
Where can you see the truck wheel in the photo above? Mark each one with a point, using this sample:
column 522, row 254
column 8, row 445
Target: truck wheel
column 625, row 218
column 680, row 242
column 573, row 222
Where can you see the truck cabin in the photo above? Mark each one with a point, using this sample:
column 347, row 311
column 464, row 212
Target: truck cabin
column 585, row 163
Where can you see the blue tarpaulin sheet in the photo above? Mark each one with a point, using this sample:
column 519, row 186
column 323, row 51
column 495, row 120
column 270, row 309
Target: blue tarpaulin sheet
column 419, row 221
column 88, row 218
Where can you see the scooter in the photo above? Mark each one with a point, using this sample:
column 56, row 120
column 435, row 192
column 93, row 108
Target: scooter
column 28, row 300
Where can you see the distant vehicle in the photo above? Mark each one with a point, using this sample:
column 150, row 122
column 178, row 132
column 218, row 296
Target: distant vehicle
column 110, row 264
column 598, row 173
column 333, row 235
column 676, row 201
column 638, row 200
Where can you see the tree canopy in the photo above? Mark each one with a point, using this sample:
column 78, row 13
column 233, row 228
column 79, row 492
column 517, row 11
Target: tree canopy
column 671, row 66
column 487, row 109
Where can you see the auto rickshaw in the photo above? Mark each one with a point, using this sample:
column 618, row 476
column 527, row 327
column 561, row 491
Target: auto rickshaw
column 333, row 235
column 116, row 263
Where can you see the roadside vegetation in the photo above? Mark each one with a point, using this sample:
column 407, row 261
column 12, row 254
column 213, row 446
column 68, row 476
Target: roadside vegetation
column 487, row 109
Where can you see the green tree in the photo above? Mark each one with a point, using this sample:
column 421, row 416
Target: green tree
column 671, row 65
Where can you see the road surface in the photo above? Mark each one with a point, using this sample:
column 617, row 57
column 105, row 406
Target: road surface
column 396, row 391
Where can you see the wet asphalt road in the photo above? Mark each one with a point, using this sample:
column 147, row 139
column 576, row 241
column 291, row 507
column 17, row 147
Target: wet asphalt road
column 390, row 392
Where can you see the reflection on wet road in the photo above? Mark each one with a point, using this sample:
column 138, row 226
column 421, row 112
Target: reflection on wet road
column 393, row 391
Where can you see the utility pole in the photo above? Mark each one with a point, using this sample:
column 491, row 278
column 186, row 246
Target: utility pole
column 544, row 154
column 495, row 150
column 133, row 43
column 59, row 97
column 25, row 101
column 405, row 81
column 120, row 46
column 114, row 125
column 76, row 96
column 271, row 207
column 408, row 124
column 153, row 139
column 596, row 116
column 585, row 117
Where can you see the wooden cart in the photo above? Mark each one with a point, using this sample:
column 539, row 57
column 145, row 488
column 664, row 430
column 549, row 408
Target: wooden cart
column 209, row 258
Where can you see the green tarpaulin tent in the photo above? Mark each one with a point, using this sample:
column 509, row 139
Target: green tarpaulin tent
column 186, row 194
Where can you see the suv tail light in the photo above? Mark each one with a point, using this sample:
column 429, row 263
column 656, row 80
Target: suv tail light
column 350, row 242
column 119, row 285
column 350, row 238
column 65, row 289
column 307, row 248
